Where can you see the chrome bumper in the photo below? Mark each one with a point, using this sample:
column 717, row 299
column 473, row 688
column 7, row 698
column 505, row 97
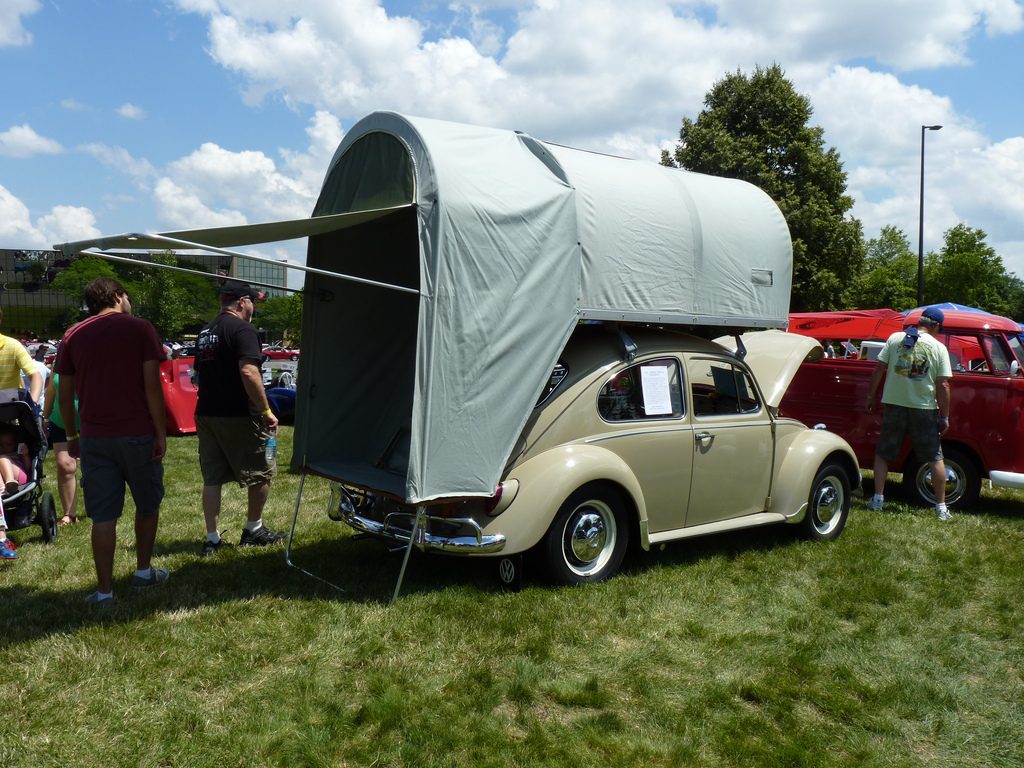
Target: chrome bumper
column 398, row 526
column 1006, row 479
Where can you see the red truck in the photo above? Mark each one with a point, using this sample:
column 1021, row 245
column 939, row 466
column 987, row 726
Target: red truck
column 986, row 433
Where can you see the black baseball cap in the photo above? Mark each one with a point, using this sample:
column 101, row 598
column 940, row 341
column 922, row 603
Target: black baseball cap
column 235, row 289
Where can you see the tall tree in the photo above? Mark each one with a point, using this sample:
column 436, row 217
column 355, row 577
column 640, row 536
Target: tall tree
column 73, row 280
column 889, row 277
column 281, row 317
column 172, row 300
column 756, row 128
column 969, row 271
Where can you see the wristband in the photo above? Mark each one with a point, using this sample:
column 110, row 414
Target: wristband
column 71, row 437
column 266, row 412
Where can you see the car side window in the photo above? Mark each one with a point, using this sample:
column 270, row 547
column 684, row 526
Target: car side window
column 650, row 390
column 978, row 354
column 998, row 354
column 721, row 388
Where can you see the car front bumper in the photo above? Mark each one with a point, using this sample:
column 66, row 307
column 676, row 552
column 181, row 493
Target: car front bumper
column 1006, row 479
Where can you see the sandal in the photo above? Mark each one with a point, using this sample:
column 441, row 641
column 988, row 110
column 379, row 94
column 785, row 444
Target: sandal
column 67, row 520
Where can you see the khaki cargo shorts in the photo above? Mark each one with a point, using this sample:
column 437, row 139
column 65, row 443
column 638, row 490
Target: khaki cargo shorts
column 232, row 448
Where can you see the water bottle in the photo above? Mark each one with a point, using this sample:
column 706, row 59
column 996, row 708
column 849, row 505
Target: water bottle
column 270, row 447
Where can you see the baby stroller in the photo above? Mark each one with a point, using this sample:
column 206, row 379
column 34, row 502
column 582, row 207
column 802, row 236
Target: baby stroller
column 29, row 505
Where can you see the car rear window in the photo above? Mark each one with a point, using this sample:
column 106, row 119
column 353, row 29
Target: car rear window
column 649, row 390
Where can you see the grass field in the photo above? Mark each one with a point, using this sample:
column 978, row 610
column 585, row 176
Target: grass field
column 897, row 645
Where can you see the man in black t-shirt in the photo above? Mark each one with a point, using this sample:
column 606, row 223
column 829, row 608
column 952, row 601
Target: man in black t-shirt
column 233, row 417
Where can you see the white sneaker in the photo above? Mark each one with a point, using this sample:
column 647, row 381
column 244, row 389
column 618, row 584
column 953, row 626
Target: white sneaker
column 942, row 512
column 875, row 504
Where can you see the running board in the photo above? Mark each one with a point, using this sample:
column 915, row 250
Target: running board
column 735, row 523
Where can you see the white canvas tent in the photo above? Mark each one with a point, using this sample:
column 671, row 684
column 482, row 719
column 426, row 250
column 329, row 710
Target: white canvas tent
column 500, row 244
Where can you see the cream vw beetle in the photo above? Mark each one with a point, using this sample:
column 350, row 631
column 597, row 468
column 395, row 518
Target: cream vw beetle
column 646, row 435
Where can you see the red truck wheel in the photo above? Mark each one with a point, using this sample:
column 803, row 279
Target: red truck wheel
column 963, row 480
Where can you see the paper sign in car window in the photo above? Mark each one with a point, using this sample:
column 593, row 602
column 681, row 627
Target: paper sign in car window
column 654, row 382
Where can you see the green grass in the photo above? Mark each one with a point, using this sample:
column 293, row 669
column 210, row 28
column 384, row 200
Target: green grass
column 897, row 645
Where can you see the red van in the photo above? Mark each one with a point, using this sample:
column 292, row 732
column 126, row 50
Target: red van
column 986, row 430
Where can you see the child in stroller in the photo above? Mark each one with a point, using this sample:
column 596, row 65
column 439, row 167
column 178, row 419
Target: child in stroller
column 23, row 503
column 14, row 459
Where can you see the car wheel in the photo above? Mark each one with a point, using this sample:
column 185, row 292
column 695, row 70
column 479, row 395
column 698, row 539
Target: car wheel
column 48, row 518
column 828, row 505
column 588, row 538
column 963, row 480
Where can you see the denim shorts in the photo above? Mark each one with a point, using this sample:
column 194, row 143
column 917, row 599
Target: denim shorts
column 110, row 463
column 922, row 426
column 232, row 448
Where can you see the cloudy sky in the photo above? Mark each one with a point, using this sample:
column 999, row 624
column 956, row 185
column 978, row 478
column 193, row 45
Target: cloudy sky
column 148, row 115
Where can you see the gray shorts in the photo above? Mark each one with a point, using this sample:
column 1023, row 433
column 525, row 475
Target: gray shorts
column 232, row 448
column 922, row 426
column 110, row 463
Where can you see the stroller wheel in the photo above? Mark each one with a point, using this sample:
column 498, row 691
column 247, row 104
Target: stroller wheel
column 48, row 518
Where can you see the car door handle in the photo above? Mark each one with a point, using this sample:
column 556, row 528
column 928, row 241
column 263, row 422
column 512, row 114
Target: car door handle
column 701, row 437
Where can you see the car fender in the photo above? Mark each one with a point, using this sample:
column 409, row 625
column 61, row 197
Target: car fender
column 548, row 479
column 802, row 454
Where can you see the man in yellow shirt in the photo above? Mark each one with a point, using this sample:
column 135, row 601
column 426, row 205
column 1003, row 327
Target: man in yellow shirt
column 14, row 359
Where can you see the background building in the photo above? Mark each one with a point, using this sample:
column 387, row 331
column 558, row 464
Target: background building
column 33, row 310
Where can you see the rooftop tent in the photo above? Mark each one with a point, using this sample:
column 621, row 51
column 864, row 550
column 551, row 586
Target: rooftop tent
column 510, row 242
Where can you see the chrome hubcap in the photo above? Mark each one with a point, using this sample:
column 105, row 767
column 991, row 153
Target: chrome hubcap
column 829, row 501
column 954, row 483
column 588, row 538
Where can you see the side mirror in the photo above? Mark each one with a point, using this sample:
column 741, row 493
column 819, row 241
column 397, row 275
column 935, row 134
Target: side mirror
column 1014, row 368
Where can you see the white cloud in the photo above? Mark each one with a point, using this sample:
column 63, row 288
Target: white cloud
column 618, row 77
column 908, row 34
column 61, row 224
column 16, row 228
column 876, row 121
column 131, row 112
column 12, row 31
column 246, row 180
column 308, row 168
column 21, row 141
column 214, row 186
column 118, row 158
column 181, row 208
column 65, row 223
column 73, row 105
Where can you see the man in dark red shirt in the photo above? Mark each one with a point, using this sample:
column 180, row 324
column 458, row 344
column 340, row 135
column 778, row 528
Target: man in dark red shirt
column 111, row 361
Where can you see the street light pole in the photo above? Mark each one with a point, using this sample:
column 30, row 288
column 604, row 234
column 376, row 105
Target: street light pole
column 920, row 231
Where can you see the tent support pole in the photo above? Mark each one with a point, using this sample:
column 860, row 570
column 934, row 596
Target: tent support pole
column 417, row 524
column 291, row 536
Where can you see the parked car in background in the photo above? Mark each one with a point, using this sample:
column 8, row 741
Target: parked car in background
column 180, row 395
column 282, row 403
column 985, row 438
column 277, row 352
column 650, row 436
column 49, row 350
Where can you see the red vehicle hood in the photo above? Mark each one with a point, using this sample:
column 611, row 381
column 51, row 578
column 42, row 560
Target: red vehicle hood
column 852, row 324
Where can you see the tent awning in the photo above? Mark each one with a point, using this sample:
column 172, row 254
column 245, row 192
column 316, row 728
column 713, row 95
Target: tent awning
column 227, row 237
